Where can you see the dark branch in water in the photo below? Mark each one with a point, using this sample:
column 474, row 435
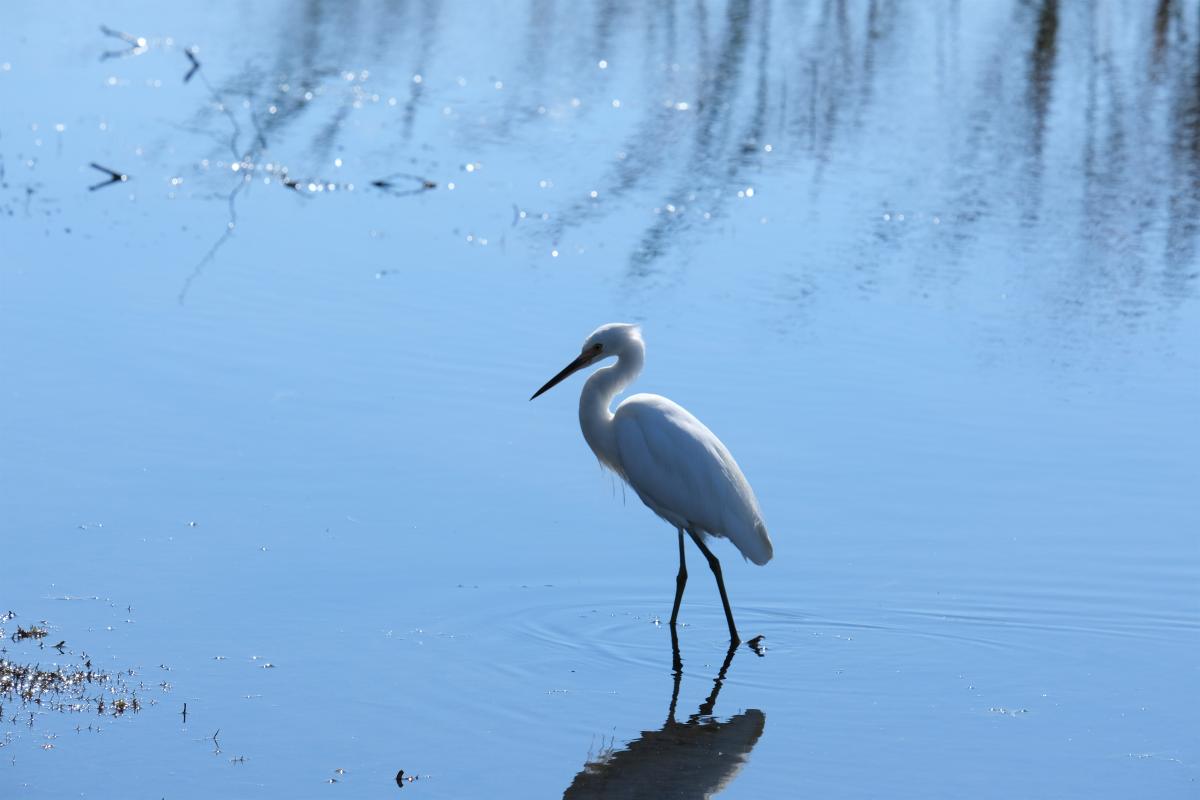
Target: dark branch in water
column 195, row 64
column 125, row 37
column 221, row 240
column 388, row 184
column 137, row 44
column 113, row 177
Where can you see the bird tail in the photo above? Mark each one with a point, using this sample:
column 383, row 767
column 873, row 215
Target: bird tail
column 759, row 548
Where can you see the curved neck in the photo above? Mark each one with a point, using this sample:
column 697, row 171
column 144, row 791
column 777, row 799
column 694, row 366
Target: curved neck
column 595, row 418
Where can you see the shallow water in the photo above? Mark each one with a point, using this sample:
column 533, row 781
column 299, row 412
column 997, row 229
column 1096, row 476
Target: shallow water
column 929, row 269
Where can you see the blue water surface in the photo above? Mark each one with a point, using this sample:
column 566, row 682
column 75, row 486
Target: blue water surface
column 929, row 269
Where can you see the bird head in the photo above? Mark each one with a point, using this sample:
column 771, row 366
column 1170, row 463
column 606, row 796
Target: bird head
column 606, row 341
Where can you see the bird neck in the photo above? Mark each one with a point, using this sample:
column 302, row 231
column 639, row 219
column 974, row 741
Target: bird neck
column 595, row 416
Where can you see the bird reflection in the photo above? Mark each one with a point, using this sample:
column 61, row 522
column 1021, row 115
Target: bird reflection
column 697, row 757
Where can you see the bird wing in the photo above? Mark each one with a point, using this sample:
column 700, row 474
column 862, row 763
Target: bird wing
column 686, row 475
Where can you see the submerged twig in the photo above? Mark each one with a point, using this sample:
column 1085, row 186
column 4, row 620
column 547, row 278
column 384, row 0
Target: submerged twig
column 113, row 177
column 137, row 44
column 191, row 56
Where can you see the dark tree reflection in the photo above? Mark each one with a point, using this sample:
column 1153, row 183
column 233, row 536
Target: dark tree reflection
column 1035, row 112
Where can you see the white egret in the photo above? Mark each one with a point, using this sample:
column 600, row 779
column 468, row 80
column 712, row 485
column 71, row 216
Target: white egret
column 677, row 466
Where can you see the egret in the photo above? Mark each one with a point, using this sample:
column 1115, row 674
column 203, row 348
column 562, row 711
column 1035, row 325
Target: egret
column 677, row 466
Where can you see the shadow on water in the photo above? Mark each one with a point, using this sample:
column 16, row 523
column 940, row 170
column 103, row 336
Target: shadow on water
column 694, row 758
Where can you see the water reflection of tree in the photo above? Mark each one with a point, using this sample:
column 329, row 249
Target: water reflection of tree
column 804, row 77
column 1140, row 164
column 319, row 44
column 1182, row 60
column 1041, row 72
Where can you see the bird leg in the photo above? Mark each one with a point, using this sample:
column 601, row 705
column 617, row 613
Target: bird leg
column 676, row 675
column 680, row 582
column 715, row 566
column 706, row 708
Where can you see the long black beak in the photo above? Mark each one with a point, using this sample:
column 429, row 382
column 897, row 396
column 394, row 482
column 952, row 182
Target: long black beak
column 576, row 365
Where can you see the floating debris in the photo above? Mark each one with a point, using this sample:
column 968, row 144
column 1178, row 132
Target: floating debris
column 1008, row 712
column 71, row 688
column 113, row 177
column 191, row 56
column 416, row 184
column 402, row 779
column 32, row 632
column 65, row 688
column 137, row 44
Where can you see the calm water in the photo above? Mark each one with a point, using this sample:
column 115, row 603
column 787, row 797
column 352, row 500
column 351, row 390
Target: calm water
column 929, row 268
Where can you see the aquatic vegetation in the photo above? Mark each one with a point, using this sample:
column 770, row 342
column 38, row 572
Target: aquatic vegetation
column 77, row 687
column 67, row 688
column 32, row 632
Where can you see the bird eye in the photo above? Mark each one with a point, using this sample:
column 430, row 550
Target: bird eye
column 597, row 347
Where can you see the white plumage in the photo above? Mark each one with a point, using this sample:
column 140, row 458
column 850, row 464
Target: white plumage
column 686, row 475
column 677, row 466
